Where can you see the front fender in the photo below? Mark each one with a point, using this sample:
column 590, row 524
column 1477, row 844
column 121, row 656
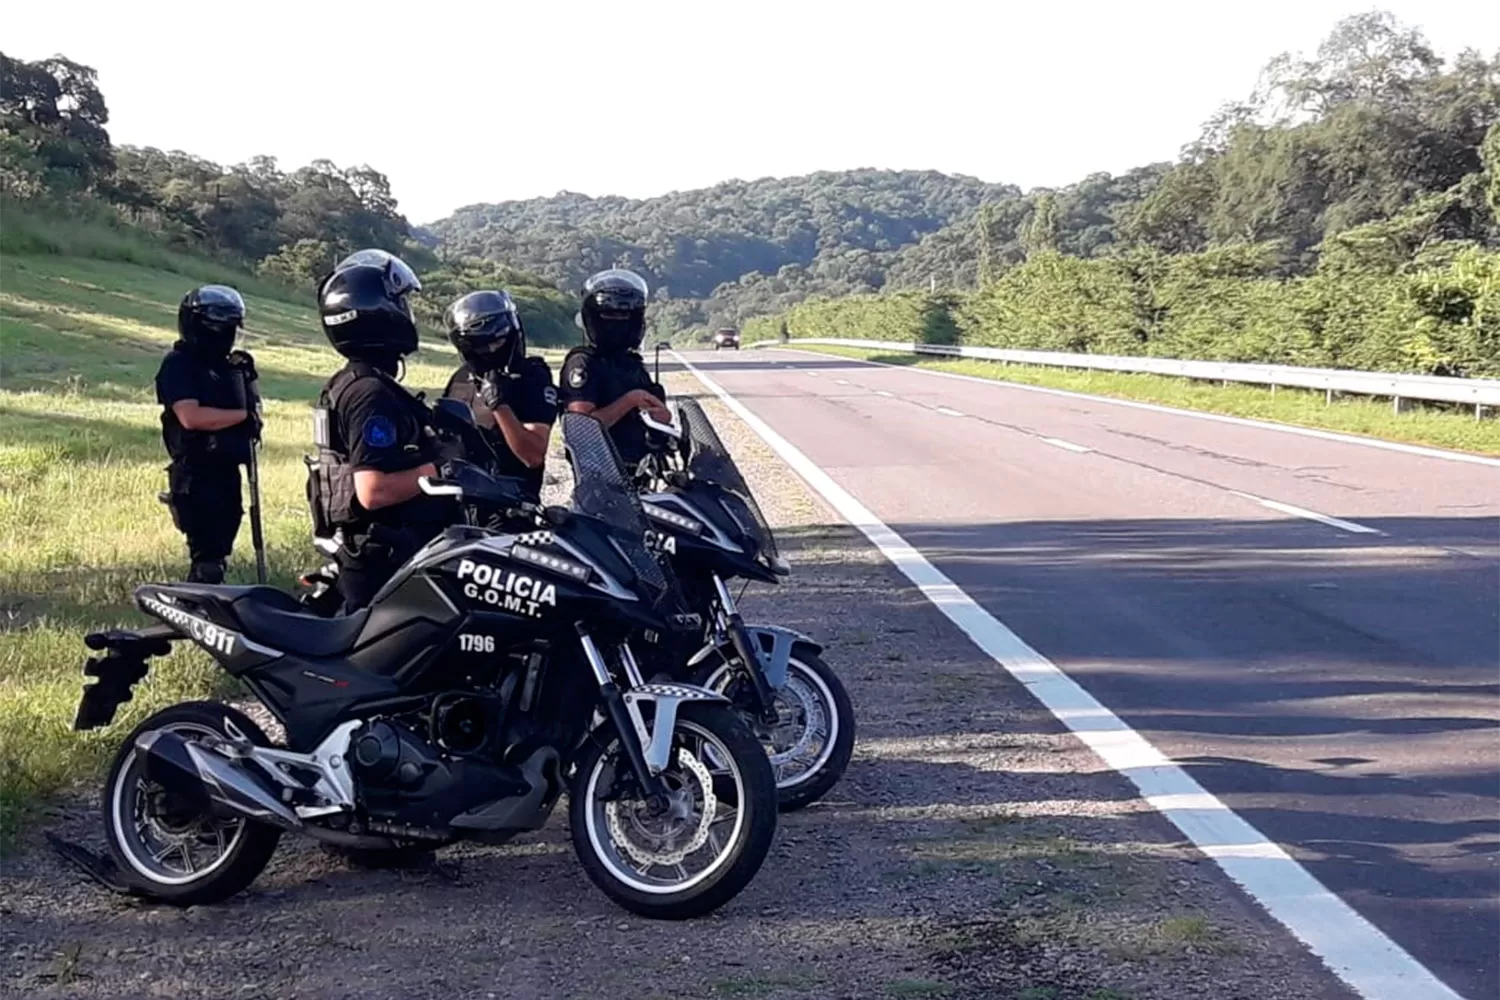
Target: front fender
column 775, row 645
column 656, row 743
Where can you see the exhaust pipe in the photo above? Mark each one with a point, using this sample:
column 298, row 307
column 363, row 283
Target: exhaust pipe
column 187, row 769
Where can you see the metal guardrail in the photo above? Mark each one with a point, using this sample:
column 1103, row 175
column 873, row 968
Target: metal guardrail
column 1476, row 392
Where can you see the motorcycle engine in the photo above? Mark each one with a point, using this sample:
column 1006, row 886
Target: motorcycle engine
column 408, row 780
column 388, row 753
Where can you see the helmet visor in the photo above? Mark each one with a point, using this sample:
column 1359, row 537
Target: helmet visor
column 400, row 279
column 220, row 306
column 617, row 283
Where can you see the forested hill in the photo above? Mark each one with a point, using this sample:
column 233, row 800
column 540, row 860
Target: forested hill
column 745, row 247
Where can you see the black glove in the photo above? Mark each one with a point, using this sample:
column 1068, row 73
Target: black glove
column 242, row 366
column 491, row 389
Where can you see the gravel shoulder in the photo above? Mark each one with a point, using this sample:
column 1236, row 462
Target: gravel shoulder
column 974, row 850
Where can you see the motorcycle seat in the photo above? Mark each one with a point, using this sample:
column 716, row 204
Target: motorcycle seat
column 267, row 616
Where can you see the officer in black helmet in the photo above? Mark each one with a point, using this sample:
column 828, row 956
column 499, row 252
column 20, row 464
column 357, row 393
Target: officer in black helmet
column 606, row 377
column 512, row 396
column 209, row 423
column 374, row 437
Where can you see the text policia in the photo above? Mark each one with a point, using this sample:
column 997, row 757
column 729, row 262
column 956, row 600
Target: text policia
column 506, row 589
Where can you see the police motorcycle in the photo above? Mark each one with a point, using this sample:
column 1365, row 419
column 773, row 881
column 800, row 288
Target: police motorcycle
column 707, row 524
column 491, row 673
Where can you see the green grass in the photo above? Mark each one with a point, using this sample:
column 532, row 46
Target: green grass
column 81, row 462
column 1456, row 429
column 1173, row 935
column 89, row 230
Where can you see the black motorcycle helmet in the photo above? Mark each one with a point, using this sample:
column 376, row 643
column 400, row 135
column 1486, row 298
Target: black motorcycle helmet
column 364, row 309
column 614, row 310
column 209, row 317
column 485, row 328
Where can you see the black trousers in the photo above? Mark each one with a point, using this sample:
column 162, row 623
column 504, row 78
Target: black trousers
column 366, row 563
column 206, row 507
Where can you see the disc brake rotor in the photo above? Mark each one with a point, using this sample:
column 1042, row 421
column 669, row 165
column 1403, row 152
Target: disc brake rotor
column 661, row 852
column 814, row 725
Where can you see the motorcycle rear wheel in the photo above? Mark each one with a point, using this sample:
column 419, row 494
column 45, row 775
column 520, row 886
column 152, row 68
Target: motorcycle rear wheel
column 152, row 838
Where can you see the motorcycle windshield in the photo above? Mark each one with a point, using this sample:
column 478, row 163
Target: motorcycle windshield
column 602, row 490
column 709, row 460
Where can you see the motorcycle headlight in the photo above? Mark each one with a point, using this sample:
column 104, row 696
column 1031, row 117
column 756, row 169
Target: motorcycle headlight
column 689, row 524
column 546, row 560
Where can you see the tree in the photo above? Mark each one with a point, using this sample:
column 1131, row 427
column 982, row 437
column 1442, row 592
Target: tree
column 1173, row 217
column 1040, row 234
column 1491, row 151
column 54, row 109
column 983, row 226
column 1368, row 57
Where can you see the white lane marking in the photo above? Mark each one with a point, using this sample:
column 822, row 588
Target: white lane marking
column 1067, row 445
column 809, row 374
column 882, row 392
column 842, row 381
column 1410, row 449
column 947, row 412
column 1358, row 952
column 1311, row 515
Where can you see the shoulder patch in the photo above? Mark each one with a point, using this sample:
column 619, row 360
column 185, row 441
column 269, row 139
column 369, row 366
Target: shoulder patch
column 379, row 432
column 577, row 375
column 550, row 395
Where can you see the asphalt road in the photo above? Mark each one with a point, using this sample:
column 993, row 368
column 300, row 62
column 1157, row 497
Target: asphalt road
column 1310, row 627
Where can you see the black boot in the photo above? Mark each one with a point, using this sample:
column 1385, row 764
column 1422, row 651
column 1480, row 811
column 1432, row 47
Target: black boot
column 207, row 571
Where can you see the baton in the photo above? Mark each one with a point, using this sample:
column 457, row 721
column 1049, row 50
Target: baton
column 252, row 478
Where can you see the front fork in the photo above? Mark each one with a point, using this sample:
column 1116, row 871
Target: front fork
column 732, row 625
column 647, row 749
column 619, row 715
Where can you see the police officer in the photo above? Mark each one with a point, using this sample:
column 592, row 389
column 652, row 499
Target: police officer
column 209, row 423
column 374, row 437
column 606, row 376
column 511, row 395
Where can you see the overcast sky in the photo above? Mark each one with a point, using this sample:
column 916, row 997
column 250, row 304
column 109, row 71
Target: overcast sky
column 472, row 101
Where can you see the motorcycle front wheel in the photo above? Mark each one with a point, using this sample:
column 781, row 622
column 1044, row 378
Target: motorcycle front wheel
column 706, row 846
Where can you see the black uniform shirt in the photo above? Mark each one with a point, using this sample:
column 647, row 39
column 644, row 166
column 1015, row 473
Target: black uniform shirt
column 591, row 377
column 531, row 396
column 185, row 374
column 383, row 428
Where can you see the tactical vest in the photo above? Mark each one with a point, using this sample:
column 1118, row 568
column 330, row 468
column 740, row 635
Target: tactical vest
column 229, row 446
column 330, row 477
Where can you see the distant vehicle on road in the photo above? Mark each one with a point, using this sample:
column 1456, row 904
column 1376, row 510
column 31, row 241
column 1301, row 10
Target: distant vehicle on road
column 727, row 337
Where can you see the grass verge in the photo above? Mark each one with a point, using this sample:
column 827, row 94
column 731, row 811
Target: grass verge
column 1439, row 428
